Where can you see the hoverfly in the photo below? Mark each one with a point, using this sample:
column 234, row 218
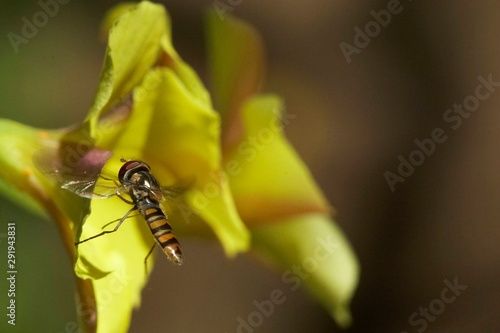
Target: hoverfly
column 134, row 179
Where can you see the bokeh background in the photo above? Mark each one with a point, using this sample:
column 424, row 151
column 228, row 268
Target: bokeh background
column 352, row 122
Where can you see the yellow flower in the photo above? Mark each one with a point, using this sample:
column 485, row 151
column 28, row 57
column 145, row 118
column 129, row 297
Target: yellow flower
column 239, row 170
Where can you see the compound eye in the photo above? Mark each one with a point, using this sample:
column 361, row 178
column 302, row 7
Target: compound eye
column 130, row 167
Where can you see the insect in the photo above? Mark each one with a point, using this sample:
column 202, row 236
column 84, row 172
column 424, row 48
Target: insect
column 134, row 179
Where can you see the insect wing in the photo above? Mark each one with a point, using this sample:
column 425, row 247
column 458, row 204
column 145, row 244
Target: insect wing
column 79, row 175
column 89, row 188
column 173, row 191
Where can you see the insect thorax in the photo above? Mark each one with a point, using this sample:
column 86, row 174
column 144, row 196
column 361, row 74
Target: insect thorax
column 143, row 185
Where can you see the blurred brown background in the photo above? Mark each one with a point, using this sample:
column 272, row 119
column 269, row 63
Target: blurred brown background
column 353, row 121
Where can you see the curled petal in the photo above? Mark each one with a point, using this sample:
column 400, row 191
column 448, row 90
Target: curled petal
column 268, row 179
column 314, row 252
column 212, row 201
column 169, row 126
column 236, row 58
column 187, row 76
column 133, row 48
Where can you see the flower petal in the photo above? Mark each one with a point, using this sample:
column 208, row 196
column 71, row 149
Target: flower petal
column 212, row 201
column 114, row 262
column 313, row 251
column 184, row 72
column 167, row 124
column 236, row 58
column 133, row 48
column 112, row 15
column 268, row 179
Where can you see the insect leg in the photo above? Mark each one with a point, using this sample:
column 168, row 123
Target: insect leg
column 110, row 231
column 106, row 196
column 104, row 226
column 146, row 259
column 105, row 178
column 124, row 200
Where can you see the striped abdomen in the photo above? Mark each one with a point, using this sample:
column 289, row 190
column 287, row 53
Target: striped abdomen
column 161, row 229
